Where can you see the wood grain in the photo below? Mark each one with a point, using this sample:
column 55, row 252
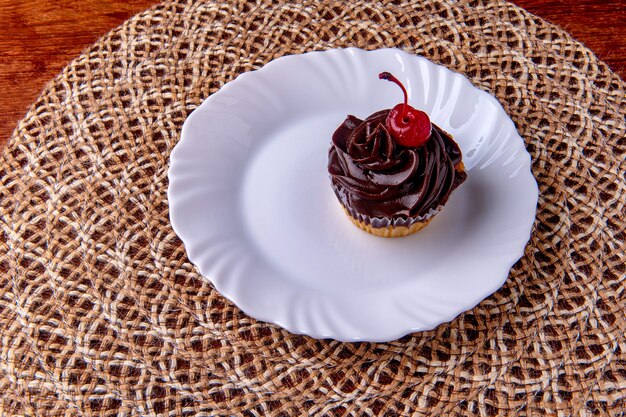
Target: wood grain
column 40, row 37
column 599, row 24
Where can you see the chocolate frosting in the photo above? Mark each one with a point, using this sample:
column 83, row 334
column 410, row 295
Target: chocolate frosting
column 376, row 177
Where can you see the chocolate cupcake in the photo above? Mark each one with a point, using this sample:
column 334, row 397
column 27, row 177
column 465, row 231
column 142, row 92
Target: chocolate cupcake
column 393, row 171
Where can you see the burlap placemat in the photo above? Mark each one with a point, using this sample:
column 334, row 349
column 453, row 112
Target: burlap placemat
column 101, row 313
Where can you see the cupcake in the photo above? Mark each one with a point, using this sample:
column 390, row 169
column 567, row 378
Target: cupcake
column 395, row 170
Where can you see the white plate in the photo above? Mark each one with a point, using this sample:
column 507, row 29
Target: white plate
column 250, row 197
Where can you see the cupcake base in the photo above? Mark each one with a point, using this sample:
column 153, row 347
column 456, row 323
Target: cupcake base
column 389, row 231
column 395, row 227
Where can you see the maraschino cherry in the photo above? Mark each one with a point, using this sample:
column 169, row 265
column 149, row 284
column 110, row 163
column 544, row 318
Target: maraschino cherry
column 408, row 126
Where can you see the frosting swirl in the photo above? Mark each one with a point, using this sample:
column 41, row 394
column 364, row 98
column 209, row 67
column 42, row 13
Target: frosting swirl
column 375, row 176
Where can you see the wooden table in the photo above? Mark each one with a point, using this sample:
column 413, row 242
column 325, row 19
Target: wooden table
column 39, row 37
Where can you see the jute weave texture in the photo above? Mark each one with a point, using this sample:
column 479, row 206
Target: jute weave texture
column 101, row 313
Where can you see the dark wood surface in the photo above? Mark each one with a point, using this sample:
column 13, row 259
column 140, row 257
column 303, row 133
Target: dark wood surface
column 39, row 37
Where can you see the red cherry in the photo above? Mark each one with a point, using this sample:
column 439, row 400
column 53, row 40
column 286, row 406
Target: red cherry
column 408, row 126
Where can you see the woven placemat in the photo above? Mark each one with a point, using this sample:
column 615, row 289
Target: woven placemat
column 101, row 313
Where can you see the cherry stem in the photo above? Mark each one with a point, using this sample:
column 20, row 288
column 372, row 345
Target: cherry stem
column 389, row 77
